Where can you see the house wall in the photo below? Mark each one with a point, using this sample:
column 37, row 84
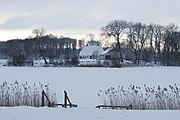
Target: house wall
column 89, row 55
column 88, row 61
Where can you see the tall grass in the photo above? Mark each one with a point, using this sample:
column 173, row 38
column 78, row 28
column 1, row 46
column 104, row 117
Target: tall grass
column 145, row 98
column 17, row 94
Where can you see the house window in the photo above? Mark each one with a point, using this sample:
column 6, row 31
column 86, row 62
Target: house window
column 90, row 57
column 108, row 57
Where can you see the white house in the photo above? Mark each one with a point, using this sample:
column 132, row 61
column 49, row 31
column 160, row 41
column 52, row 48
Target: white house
column 3, row 62
column 89, row 55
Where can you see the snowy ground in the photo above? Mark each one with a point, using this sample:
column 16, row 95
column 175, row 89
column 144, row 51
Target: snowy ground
column 30, row 113
column 82, row 85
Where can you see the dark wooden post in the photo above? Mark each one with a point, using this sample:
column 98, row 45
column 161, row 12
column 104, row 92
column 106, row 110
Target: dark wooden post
column 65, row 99
column 69, row 101
column 42, row 99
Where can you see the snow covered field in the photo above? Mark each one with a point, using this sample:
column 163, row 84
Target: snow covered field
column 82, row 85
column 30, row 113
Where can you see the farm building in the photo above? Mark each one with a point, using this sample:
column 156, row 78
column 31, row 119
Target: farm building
column 110, row 57
column 95, row 55
column 89, row 55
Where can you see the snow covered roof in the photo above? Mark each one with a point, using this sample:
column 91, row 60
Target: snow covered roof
column 90, row 50
column 106, row 51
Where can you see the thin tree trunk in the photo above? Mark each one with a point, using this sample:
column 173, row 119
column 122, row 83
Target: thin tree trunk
column 120, row 54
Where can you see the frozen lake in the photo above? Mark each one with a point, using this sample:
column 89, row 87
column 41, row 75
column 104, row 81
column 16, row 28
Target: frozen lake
column 83, row 84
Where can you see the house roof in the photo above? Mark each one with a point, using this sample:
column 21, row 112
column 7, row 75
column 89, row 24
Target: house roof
column 106, row 51
column 90, row 50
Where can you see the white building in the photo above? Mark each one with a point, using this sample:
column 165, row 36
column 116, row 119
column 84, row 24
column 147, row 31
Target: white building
column 3, row 62
column 39, row 63
column 89, row 55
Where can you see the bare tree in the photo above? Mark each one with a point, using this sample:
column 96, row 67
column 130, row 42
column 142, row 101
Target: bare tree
column 115, row 29
column 171, row 44
column 16, row 51
column 137, row 35
column 38, row 33
column 133, row 41
column 91, row 37
column 81, row 43
column 158, row 33
column 143, row 33
column 168, row 43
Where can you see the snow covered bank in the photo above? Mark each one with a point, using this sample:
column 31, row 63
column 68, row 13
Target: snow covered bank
column 31, row 113
column 83, row 84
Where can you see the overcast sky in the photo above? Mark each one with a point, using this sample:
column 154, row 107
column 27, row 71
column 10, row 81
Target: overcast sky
column 77, row 18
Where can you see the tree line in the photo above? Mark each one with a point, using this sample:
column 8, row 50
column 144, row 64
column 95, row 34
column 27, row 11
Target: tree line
column 147, row 42
column 153, row 43
column 23, row 52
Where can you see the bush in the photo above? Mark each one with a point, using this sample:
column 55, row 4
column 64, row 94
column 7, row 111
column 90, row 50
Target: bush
column 23, row 94
column 152, row 98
